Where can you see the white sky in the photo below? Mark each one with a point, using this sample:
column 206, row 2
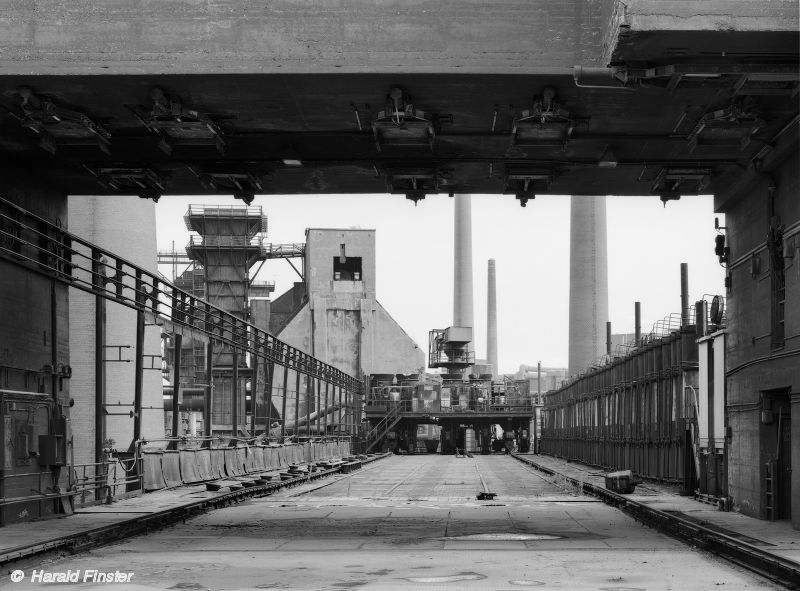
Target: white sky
column 646, row 244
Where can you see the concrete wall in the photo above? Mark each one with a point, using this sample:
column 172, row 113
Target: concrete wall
column 286, row 36
column 284, row 306
column 106, row 221
column 759, row 376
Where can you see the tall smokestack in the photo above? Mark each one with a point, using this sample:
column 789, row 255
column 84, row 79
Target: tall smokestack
column 588, row 281
column 491, row 319
column 462, row 290
column 684, row 294
column 637, row 320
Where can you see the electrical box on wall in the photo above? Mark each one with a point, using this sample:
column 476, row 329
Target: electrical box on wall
column 52, row 450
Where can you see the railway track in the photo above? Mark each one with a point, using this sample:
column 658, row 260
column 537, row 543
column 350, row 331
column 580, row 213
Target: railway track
column 771, row 566
column 143, row 524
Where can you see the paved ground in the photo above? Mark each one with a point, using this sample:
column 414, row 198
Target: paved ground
column 776, row 537
column 412, row 523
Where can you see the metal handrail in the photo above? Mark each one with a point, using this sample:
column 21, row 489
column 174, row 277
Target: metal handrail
column 37, row 244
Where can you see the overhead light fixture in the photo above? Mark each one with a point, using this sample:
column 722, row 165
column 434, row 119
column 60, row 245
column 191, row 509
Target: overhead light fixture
column 291, row 162
column 608, row 159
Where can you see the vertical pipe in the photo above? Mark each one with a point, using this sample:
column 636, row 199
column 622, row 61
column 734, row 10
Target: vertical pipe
column 235, row 394
column 177, row 340
column 99, row 384
column 283, row 402
column 608, row 338
column 491, row 319
column 53, row 340
column 138, row 379
column 684, row 294
column 637, row 335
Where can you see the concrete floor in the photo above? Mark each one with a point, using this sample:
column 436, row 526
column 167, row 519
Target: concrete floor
column 413, row 522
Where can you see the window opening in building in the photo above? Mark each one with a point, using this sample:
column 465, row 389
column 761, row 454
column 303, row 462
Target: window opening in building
column 347, row 268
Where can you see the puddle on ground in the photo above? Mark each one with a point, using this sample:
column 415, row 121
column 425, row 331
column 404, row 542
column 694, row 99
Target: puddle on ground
column 468, row 576
column 502, row 537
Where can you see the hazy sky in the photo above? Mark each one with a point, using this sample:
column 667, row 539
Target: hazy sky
column 646, row 244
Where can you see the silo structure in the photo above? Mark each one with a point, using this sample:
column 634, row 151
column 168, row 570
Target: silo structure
column 588, row 281
column 127, row 227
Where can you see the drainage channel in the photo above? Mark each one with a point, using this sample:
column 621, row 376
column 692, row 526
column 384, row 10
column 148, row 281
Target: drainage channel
column 770, row 566
column 154, row 521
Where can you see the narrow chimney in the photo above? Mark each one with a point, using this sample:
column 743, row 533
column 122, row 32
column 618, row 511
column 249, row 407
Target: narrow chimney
column 462, row 290
column 491, row 319
column 637, row 336
column 588, row 280
column 684, row 294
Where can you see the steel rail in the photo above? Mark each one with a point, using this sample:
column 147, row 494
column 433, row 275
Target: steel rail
column 776, row 568
column 144, row 524
column 39, row 245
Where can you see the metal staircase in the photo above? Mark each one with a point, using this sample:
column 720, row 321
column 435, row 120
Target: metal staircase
column 379, row 431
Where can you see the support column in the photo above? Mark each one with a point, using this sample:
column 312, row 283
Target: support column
column 588, row 281
column 258, row 364
column 177, row 340
column 325, row 423
column 297, row 405
column 208, row 402
column 235, row 395
column 138, row 379
column 270, row 368
column 99, row 374
column 283, row 402
column 491, row 319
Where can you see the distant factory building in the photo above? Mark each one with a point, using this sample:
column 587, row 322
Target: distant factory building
column 334, row 315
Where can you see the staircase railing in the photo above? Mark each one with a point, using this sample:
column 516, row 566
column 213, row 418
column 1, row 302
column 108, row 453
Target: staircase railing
column 379, row 431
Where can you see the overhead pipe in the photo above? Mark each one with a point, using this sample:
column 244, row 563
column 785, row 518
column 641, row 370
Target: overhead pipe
column 302, row 421
column 597, row 77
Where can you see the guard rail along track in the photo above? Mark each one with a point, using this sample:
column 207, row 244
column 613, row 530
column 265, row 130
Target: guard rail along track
column 770, row 566
column 160, row 519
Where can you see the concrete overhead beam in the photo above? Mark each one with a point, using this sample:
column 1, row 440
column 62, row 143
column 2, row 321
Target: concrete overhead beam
column 286, row 36
column 719, row 25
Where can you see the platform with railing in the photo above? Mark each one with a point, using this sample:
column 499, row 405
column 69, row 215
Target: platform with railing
column 448, row 400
